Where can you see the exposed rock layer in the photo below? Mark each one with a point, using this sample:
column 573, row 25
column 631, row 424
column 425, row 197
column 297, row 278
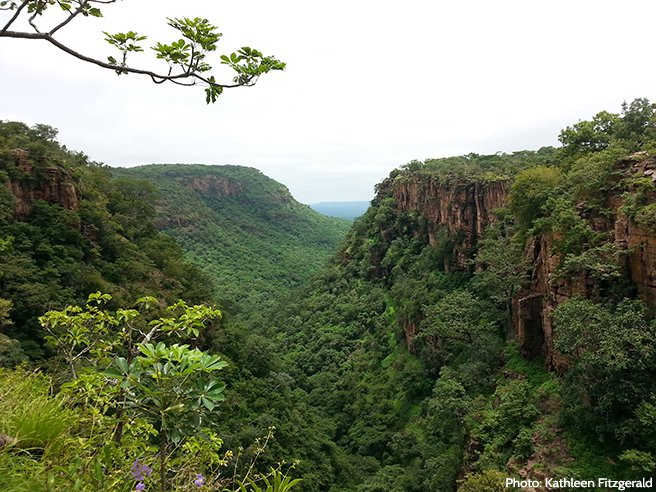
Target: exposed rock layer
column 465, row 210
column 213, row 186
column 51, row 184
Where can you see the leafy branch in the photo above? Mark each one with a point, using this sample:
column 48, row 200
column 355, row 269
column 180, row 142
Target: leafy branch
column 186, row 57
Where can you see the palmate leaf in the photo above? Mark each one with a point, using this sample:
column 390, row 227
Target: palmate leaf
column 210, row 363
column 207, row 394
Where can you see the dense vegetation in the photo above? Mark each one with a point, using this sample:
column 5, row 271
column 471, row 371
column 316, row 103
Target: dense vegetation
column 55, row 256
column 390, row 370
column 242, row 228
column 459, row 405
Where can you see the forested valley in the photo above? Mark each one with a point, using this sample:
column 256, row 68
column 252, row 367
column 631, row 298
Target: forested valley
column 188, row 327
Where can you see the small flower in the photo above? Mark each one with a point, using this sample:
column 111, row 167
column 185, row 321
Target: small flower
column 140, row 486
column 138, row 470
column 200, row 480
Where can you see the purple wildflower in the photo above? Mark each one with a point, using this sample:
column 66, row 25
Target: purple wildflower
column 138, row 471
column 200, row 480
column 140, row 486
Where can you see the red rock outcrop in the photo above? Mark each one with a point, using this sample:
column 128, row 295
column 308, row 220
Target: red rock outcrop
column 465, row 210
column 213, row 186
column 51, row 184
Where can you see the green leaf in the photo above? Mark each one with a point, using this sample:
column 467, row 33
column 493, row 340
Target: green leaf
column 175, row 408
column 122, row 365
column 113, row 373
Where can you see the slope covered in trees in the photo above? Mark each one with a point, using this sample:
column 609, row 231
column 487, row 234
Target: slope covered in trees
column 488, row 317
column 242, row 228
column 68, row 230
column 401, row 344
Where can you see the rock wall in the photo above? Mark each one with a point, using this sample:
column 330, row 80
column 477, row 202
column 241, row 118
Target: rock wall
column 51, row 184
column 213, row 186
column 465, row 210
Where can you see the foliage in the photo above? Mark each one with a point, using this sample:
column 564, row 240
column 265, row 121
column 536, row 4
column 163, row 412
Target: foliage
column 186, row 58
column 589, row 136
column 631, row 130
column 609, row 389
column 456, row 321
column 280, row 483
column 475, row 167
column 39, row 422
column 591, row 177
column 530, row 191
column 386, row 370
column 157, row 409
column 502, row 267
column 53, row 256
column 571, row 233
column 243, row 229
column 486, row 481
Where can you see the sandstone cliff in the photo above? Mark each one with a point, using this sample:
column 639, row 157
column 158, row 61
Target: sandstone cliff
column 464, row 209
column 213, row 186
column 51, row 184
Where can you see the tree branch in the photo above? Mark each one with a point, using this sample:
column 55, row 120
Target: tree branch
column 37, row 11
column 18, row 11
column 70, row 17
column 191, row 66
column 178, row 79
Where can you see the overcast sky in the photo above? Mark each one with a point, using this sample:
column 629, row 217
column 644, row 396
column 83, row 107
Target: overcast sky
column 370, row 85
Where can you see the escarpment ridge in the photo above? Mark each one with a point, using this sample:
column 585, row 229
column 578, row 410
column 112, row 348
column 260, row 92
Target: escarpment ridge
column 463, row 208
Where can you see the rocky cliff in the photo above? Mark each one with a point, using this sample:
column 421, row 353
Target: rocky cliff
column 28, row 182
column 465, row 209
column 213, row 186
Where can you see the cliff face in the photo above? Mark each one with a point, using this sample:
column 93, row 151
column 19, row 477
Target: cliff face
column 51, row 184
column 465, row 210
column 220, row 187
column 213, row 186
column 534, row 304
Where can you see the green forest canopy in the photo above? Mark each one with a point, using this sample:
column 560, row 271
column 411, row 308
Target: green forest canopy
column 363, row 406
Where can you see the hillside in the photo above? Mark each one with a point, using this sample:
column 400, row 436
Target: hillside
column 488, row 317
column 491, row 316
column 67, row 231
column 242, row 228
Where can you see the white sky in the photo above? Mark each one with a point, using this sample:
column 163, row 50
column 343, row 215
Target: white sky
column 370, row 85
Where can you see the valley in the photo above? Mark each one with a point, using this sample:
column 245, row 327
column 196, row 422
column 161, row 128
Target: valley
column 487, row 317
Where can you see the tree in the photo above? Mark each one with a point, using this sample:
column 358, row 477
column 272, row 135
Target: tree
column 530, row 192
column 457, row 321
column 611, row 380
column 502, row 267
column 589, row 136
column 186, row 58
column 164, row 384
column 638, row 123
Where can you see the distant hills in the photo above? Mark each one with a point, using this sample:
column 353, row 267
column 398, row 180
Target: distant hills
column 342, row 210
column 241, row 227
